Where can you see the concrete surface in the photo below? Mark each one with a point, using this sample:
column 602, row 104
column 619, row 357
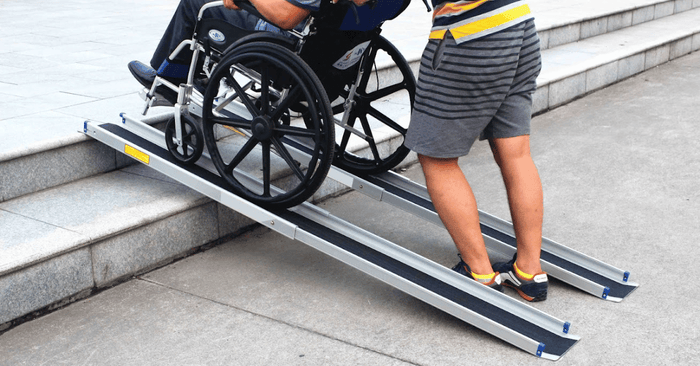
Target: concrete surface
column 620, row 172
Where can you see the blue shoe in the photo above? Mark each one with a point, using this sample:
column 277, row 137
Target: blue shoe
column 534, row 289
column 463, row 269
column 145, row 75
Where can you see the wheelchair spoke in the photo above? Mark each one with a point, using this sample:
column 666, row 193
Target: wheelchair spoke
column 284, row 153
column 266, row 168
column 295, row 131
column 189, row 133
column 370, row 138
column 246, row 101
column 346, row 135
column 245, row 150
column 391, row 89
column 367, row 66
column 233, row 121
column 265, row 89
column 286, row 103
column 386, row 120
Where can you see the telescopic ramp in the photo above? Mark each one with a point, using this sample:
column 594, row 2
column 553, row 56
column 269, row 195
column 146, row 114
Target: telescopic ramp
column 491, row 311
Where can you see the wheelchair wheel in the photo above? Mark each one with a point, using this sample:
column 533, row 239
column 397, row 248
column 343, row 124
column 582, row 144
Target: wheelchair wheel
column 191, row 145
column 252, row 131
column 370, row 158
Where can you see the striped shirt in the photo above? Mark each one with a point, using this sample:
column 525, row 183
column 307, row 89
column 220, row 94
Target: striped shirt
column 467, row 20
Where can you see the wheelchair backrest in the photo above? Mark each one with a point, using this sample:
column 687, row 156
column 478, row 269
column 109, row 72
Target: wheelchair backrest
column 339, row 40
column 372, row 17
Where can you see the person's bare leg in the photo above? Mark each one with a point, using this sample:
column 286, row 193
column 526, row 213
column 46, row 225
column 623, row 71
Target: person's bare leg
column 524, row 190
column 455, row 203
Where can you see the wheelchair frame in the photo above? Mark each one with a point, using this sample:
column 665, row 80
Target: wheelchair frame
column 184, row 135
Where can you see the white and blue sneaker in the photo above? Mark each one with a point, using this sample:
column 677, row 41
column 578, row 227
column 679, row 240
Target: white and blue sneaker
column 530, row 287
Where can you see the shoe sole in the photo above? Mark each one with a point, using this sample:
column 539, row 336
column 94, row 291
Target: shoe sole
column 540, row 297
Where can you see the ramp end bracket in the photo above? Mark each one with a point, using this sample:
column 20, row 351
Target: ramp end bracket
column 540, row 349
column 626, row 276
column 567, row 325
column 606, row 291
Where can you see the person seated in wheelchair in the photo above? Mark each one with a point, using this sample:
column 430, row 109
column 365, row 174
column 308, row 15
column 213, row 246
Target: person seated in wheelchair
column 285, row 14
column 261, row 93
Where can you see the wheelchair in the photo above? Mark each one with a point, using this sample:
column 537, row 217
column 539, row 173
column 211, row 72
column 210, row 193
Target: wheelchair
column 275, row 111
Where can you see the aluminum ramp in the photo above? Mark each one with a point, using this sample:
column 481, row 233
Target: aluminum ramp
column 500, row 315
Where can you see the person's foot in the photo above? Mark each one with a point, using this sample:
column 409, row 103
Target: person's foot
column 145, row 75
column 493, row 280
column 530, row 287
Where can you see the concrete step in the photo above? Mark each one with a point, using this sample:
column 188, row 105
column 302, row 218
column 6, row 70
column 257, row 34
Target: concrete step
column 573, row 70
column 64, row 242
column 76, row 217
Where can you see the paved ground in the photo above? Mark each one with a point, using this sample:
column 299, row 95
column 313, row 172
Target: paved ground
column 619, row 168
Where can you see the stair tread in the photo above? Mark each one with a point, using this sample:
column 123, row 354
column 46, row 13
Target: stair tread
column 64, row 218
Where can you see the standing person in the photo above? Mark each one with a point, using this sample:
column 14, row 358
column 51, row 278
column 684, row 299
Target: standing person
column 476, row 79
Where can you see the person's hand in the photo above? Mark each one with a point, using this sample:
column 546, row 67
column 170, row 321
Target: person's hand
column 229, row 4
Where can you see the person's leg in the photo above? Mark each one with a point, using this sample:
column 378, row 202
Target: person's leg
column 455, row 203
column 524, row 190
column 182, row 25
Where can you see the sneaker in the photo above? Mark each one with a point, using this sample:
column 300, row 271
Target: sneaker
column 534, row 289
column 463, row 269
column 146, row 75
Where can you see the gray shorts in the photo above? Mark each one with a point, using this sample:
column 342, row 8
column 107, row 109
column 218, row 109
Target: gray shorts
column 479, row 88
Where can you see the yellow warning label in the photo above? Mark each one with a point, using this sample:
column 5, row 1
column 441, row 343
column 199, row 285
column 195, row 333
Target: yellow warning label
column 138, row 155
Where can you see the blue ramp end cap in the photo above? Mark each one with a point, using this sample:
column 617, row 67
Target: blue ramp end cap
column 567, row 325
column 540, row 349
column 606, row 292
column 626, row 276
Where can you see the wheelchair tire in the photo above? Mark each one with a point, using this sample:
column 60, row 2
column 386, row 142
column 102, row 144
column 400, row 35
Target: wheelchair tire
column 192, row 140
column 366, row 105
column 280, row 82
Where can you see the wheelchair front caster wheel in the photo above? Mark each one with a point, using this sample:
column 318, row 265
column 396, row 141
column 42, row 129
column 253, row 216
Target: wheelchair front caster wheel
column 189, row 147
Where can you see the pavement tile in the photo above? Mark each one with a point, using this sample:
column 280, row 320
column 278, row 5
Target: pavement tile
column 165, row 329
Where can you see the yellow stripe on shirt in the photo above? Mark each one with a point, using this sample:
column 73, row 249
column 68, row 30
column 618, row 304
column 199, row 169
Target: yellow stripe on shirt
column 455, row 8
column 485, row 24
